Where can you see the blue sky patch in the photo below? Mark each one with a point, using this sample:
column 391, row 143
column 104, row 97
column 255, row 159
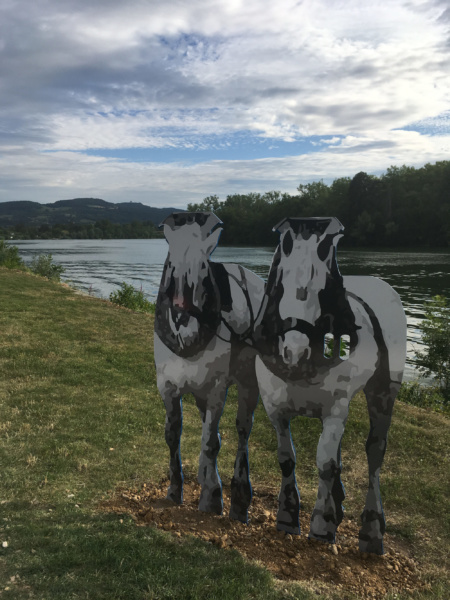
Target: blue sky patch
column 238, row 147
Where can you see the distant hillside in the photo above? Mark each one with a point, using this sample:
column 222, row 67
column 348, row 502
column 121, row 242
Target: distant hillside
column 78, row 211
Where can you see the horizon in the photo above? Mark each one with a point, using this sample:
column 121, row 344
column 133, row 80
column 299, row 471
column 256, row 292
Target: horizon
column 85, row 198
column 166, row 104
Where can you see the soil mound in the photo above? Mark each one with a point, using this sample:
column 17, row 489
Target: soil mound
column 338, row 566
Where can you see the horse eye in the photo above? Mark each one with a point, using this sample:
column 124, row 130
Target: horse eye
column 288, row 243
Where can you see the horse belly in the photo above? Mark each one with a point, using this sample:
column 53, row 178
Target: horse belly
column 198, row 374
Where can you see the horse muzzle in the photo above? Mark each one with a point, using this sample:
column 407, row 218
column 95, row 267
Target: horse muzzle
column 294, row 347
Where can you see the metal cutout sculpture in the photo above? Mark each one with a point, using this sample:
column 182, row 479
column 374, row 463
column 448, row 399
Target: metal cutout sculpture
column 204, row 313
column 307, row 299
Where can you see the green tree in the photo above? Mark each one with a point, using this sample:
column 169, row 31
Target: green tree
column 209, row 204
column 315, row 195
column 44, row 266
column 435, row 360
column 9, row 256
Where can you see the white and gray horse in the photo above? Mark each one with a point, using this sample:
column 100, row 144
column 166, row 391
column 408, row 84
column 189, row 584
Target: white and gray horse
column 306, row 302
column 204, row 313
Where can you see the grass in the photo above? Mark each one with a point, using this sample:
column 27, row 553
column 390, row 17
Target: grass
column 80, row 416
column 130, row 297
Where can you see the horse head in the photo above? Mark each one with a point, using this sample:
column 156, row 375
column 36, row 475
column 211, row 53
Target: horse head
column 188, row 305
column 305, row 298
column 306, row 263
column 192, row 238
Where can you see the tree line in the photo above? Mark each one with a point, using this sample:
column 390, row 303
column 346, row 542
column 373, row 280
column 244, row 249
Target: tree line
column 103, row 229
column 405, row 207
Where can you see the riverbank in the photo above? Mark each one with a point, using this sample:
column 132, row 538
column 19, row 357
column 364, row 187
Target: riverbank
column 81, row 425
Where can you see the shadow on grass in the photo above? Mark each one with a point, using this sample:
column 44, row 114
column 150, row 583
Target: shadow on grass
column 62, row 553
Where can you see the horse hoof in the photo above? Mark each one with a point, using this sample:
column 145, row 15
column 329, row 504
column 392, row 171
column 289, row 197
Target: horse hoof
column 292, row 529
column 175, row 497
column 211, row 501
column 241, row 497
column 371, row 533
column 238, row 515
column 322, row 530
column 214, row 508
column 371, row 546
column 327, row 538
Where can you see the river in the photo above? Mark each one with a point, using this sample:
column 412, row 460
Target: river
column 100, row 266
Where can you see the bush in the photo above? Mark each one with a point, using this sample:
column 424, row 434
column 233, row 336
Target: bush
column 9, row 256
column 434, row 361
column 42, row 265
column 424, row 396
column 130, row 297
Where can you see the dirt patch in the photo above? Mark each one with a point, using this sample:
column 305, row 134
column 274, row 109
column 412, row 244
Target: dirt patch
column 295, row 558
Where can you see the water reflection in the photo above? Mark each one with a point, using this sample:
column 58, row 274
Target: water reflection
column 100, row 266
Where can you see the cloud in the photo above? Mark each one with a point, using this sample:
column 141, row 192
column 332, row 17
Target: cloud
column 78, row 76
column 52, row 176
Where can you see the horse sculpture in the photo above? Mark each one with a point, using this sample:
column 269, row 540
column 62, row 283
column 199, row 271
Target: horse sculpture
column 204, row 312
column 306, row 301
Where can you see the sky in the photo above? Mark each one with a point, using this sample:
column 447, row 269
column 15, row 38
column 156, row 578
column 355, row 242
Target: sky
column 167, row 102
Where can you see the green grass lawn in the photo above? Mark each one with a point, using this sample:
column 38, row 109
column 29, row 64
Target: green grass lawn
column 80, row 417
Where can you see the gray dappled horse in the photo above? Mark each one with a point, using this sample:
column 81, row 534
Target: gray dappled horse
column 307, row 299
column 204, row 312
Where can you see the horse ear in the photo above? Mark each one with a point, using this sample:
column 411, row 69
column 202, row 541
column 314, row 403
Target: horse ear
column 169, row 233
column 211, row 241
column 336, row 227
column 282, row 225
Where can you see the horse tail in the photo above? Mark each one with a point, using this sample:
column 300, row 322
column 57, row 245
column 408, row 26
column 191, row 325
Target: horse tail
column 381, row 379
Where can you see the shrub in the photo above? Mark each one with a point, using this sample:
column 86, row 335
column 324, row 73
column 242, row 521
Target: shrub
column 424, row 396
column 130, row 297
column 434, row 361
column 42, row 265
column 9, row 256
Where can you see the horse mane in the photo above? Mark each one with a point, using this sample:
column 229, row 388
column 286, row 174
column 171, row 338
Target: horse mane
column 336, row 315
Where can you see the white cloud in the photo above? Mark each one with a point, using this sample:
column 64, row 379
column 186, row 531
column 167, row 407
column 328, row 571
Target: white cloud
column 78, row 75
column 52, row 176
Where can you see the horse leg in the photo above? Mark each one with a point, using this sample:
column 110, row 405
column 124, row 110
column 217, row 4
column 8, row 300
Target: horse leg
column 173, row 426
column 241, row 489
column 373, row 524
column 208, row 475
column 328, row 511
column 289, row 498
